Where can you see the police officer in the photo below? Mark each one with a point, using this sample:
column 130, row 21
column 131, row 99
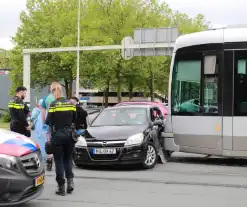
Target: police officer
column 16, row 107
column 47, row 100
column 81, row 119
column 61, row 116
column 81, row 114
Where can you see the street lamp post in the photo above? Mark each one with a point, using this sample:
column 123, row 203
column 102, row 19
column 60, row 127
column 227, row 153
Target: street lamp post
column 78, row 50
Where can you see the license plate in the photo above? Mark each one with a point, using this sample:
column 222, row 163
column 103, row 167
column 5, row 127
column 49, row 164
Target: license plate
column 104, row 151
column 39, row 180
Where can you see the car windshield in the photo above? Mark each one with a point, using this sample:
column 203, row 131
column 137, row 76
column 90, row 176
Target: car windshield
column 121, row 117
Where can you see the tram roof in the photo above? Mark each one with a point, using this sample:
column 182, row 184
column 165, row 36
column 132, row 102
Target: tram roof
column 212, row 37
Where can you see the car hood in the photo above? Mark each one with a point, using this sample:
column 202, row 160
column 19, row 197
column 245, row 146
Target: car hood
column 113, row 132
column 15, row 144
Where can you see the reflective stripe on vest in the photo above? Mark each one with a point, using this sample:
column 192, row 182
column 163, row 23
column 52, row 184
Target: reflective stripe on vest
column 62, row 108
column 16, row 106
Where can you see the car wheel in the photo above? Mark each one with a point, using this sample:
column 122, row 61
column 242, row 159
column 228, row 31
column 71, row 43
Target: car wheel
column 151, row 157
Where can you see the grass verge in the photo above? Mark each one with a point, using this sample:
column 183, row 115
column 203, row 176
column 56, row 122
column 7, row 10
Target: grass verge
column 4, row 125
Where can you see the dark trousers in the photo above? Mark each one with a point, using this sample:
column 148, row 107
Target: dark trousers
column 27, row 133
column 18, row 128
column 63, row 149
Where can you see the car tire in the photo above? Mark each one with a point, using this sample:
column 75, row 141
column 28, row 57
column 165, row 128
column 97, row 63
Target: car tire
column 151, row 157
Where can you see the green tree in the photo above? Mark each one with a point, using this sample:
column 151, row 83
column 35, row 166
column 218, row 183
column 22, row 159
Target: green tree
column 4, row 59
column 134, row 74
column 98, row 72
column 189, row 25
column 46, row 24
column 117, row 19
column 53, row 23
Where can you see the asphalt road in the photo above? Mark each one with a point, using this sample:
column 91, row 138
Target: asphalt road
column 188, row 180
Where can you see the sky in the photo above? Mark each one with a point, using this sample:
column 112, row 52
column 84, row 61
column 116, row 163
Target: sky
column 227, row 12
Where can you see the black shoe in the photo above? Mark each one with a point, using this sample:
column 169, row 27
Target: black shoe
column 49, row 165
column 70, row 185
column 60, row 190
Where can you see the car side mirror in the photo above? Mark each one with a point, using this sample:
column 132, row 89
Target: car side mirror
column 158, row 122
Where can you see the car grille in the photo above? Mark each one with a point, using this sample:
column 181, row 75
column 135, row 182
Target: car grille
column 106, row 144
column 32, row 162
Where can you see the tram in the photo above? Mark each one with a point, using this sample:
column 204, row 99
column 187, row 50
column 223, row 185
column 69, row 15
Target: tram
column 208, row 94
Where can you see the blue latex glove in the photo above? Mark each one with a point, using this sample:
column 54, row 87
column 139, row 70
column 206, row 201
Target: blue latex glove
column 79, row 132
column 45, row 128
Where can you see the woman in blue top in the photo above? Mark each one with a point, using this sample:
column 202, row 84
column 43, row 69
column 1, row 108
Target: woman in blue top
column 47, row 100
column 37, row 129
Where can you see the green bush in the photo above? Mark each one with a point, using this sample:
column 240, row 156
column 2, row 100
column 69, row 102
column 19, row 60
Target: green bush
column 6, row 117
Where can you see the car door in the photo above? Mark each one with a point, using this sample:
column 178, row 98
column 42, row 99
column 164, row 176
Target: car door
column 159, row 116
column 156, row 114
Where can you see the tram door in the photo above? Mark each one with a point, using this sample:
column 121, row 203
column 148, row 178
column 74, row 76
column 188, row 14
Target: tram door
column 228, row 104
column 239, row 132
column 196, row 116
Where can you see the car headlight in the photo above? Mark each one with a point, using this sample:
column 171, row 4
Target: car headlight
column 8, row 162
column 135, row 139
column 81, row 142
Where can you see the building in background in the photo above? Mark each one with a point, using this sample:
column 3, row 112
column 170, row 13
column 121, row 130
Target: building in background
column 5, row 86
column 96, row 96
column 87, row 96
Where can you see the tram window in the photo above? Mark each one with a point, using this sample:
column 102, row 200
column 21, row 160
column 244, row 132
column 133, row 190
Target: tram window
column 186, row 87
column 210, row 99
column 242, row 67
column 210, row 66
column 240, row 84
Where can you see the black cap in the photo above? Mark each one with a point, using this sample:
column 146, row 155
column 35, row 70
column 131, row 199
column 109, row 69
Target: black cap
column 20, row 88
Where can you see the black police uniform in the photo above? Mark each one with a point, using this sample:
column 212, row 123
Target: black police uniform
column 26, row 113
column 18, row 121
column 81, row 123
column 81, row 119
column 61, row 116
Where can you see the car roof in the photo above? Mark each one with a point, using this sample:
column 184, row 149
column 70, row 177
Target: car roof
column 139, row 103
column 154, row 104
column 128, row 106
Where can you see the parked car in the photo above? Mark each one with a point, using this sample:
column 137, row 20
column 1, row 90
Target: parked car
column 160, row 105
column 21, row 169
column 165, row 105
column 122, row 135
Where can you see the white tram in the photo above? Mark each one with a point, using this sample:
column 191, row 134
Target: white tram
column 208, row 94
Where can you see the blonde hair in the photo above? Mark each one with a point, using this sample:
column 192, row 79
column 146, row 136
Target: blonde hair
column 56, row 90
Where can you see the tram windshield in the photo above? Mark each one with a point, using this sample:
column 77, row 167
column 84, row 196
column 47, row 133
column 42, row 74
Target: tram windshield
column 188, row 85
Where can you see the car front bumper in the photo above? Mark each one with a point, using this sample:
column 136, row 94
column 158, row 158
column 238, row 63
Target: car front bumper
column 124, row 155
column 19, row 187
